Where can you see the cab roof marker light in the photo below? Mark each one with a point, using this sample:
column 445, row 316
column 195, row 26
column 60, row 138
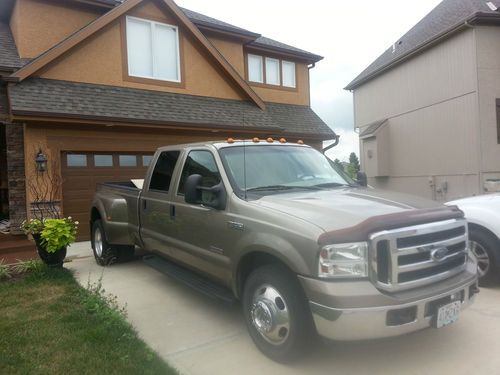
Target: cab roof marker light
column 255, row 140
column 300, row 142
column 282, row 140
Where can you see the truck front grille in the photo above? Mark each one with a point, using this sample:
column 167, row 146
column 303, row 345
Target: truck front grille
column 415, row 256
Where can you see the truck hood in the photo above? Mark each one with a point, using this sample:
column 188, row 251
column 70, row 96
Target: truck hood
column 341, row 208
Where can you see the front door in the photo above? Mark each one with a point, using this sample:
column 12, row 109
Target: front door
column 199, row 231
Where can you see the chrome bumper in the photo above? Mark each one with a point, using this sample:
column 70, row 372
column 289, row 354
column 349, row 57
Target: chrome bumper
column 363, row 323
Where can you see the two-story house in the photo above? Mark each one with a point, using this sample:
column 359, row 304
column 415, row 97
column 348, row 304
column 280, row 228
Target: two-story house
column 95, row 86
column 428, row 108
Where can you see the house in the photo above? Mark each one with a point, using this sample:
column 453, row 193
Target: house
column 95, row 86
column 428, row 108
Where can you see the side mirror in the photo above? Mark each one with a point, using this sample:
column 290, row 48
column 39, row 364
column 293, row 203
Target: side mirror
column 362, row 179
column 214, row 196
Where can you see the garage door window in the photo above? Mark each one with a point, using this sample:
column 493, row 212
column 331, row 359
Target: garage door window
column 103, row 160
column 128, row 160
column 146, row 160
column 76, row 160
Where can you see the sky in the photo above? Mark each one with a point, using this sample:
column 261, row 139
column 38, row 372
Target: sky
column 349, row 34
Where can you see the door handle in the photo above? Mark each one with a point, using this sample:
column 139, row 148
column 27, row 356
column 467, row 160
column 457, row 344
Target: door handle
column 172, row 212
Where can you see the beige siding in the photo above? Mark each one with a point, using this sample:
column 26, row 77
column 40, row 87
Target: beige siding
column 432, row 133
column 488, row 69
column 441, row 73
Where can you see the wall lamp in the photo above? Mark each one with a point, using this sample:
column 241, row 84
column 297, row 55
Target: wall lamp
column 41, row 162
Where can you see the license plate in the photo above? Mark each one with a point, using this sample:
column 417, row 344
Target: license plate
column 448, row 314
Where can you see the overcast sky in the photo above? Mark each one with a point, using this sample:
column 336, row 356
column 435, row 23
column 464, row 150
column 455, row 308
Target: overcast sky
column 349, row 34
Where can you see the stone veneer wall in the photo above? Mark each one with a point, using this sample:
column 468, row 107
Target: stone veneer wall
column 14, row 135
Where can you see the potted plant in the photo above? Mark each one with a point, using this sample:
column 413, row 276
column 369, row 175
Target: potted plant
column 52, row 237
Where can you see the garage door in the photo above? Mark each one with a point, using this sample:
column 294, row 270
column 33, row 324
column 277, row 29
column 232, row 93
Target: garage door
column 82, row 171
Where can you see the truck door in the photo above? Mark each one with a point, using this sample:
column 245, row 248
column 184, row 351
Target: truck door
column 155, row 206
column 198, row 230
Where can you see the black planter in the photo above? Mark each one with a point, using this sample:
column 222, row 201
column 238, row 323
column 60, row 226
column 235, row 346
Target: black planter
column 55, row 259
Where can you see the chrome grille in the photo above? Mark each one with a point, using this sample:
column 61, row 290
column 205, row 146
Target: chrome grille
column 415, row 256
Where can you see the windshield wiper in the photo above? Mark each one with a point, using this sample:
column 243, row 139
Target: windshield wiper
column 332, row 184
column 281, row 187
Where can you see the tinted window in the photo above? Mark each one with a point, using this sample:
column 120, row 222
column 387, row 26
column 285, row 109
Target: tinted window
column 128, row 160
column 164, row 169
column 202, row 163
column 103, row 160
column 75, row 160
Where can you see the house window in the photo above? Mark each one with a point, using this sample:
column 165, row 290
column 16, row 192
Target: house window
column 288, row 69
column 271, row 71
column 153, row 50
column 255, row 69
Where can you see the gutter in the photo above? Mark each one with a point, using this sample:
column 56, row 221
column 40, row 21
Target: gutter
column 474, row 19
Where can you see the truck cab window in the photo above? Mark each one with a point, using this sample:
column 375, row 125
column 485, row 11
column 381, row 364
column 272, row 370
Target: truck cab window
column 202, row 163
column 164, row 168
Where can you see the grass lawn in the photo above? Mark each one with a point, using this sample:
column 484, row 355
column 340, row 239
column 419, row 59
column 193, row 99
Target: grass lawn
column 51, row 325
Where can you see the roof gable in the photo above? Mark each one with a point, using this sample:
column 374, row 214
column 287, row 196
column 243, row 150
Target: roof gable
column 446, row 17
column 92, row 28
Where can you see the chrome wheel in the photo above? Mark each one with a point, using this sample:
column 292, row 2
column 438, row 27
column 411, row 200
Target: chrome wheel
column 98, row 242
column 483, row 259
column 270, row 315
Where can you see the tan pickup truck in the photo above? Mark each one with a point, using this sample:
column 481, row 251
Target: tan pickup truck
column 304, row 248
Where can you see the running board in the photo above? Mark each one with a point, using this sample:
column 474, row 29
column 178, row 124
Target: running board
column 190, row 279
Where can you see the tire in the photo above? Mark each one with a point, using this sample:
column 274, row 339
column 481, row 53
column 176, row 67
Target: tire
column 486, row 247
column 106, row 254
column 290, row 330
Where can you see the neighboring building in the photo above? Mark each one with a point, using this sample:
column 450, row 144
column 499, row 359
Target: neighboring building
column 98, row 85
column 428, row 108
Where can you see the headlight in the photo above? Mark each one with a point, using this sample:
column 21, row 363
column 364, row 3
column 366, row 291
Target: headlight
column 343, row 260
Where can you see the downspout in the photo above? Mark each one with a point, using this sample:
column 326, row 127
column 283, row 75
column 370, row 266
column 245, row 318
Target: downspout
column 335, row 143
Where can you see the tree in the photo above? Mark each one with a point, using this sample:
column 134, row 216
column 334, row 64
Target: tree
column 353, row 167
column 338, row 164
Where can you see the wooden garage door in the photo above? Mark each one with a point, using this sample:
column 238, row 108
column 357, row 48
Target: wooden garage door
column 82, row 171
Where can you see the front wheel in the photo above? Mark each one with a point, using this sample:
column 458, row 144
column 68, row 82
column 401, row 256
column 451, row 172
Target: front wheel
column 486, row 249
column 277, row 313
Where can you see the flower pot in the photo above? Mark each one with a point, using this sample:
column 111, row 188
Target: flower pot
column 51, row 259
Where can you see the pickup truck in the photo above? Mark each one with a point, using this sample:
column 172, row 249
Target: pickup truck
column 304, row 248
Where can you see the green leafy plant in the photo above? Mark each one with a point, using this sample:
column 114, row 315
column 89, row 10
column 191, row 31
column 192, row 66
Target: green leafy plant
column 32, row 226
column 5, row 271
column 58, row 233
column 27, row 266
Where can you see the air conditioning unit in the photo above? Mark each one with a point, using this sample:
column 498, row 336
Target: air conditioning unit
column 492, row 185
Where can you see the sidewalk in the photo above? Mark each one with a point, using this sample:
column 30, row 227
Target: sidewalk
column 200, row 336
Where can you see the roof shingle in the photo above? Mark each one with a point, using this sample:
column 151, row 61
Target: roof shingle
column 9, row 58
column 446, row 16
column 45, row 97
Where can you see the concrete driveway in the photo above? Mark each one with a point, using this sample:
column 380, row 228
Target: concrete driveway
column 200, row 336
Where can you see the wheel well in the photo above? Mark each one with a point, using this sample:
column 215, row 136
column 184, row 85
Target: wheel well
column 485, row 230
column 251, row 262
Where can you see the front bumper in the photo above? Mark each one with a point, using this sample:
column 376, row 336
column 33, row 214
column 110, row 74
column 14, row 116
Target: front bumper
column 371, row 316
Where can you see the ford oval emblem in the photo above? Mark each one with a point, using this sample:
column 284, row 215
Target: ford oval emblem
column 439, row 254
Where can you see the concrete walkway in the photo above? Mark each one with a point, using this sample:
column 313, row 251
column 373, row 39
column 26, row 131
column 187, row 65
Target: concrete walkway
column 199, row 336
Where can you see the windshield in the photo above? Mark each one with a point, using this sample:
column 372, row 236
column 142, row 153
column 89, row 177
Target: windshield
column 271, row 168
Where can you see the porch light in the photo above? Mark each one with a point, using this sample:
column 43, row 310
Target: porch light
column 41, row 162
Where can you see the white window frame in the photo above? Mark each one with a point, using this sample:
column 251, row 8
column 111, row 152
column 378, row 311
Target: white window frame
column 284, row 62
column 262, row 67
column 153, row 25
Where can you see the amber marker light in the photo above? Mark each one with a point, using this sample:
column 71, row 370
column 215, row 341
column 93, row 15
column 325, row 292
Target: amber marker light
column 230, row 140
column 255, row 140
column 282, row 140
column 300, row 142
column 270, row 140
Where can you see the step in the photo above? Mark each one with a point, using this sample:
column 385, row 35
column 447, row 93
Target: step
column 190, row 279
